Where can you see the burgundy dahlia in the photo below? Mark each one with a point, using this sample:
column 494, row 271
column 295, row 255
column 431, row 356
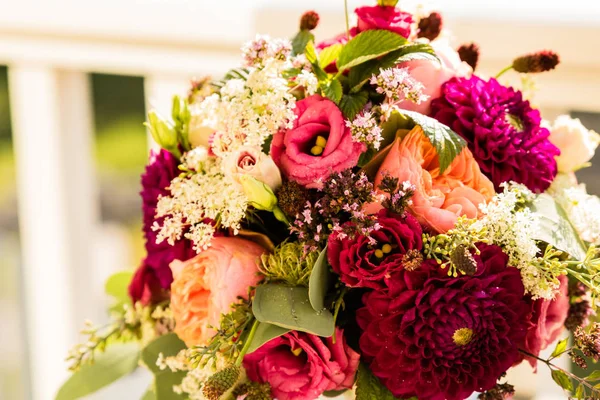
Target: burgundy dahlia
column 437, row 337
column 161, row 169
column 369, row 261
column 502, row 129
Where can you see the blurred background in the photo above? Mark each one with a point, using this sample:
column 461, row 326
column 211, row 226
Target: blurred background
column 76, row 80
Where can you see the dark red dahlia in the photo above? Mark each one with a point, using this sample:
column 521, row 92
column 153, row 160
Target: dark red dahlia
column 438, row 337
column 369, row 261
column 502, row 129
column 161, row 169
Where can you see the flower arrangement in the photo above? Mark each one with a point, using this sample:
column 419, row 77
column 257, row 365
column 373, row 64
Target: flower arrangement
column 364, row 215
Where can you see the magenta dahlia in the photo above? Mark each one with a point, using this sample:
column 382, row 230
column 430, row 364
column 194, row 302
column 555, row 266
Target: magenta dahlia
column 438, row 337
column 369, row 261
column 502, row 129
column 161, row 169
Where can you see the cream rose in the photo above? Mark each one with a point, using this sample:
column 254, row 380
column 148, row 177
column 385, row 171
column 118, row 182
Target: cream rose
column 252, row 161
column 577, row 144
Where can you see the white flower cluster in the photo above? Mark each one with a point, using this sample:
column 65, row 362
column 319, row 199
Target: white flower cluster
column 365, row 129
column 397, row 84
column 247, row 112
column 513, row 227
column 197, row 200
column 309, row 81
column 263, row 48
column 582, row 209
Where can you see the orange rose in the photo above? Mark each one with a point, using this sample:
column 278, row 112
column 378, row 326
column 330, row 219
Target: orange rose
column 206, row 286
column 439, row 199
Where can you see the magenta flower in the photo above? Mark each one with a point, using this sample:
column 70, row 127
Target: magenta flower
column 502, row 129
column 438, row 337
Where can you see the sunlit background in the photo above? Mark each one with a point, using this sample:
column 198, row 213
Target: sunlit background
column 76, row 81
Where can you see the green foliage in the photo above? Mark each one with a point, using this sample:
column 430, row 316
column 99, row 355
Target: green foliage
column 562, row 379
column 289, row 307
column 555, row 228
column 368, row 45
column 300, row 41
column 288, row 264
column 368, row 387
column 594, row 376
column 163, row 134
column 360, row 74
column 265, row 333
column 117, row 286
column 320, row 282
column 149, row 394
column 181, row 115
column 235, row 73
column 560, row 348
column 329, row 54
column 351, row 104
column 313, row 59
column 447, row 143
column 116, row 362
column 332, row 89
column 168, row 345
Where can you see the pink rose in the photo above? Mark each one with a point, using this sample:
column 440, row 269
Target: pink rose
column 439, row 198
column 384, row 17
column 300, row 366
column 548, row 321
column 252, row 161
column 319, row 143
column 433, row 74
column 206, row 286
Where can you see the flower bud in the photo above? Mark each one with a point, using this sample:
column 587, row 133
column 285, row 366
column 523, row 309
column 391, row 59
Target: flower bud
column 469, row 53
column 164, row 135
column 260, row 195
column 536, row 62
column 430, row 27
column 309, row 20
column 221, row 382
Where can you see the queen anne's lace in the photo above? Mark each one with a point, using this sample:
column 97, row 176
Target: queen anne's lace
column 198, row 201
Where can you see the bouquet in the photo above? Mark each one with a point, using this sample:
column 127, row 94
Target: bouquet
column 364, row 214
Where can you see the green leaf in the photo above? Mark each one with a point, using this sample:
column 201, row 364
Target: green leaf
column 368, row 45
column 352, row 104
column 560, row 348
column 447, row 143
column 332, row 90
column 555, row 228
column 313, row 59
column 169, row 345
column 289, row 307
column 368, row 387
column 236, row 73
column 265, row 333
column 117, row 286
column 334, row 393
column 413, row 51
column 579, row 393
column 319, row 282
column 119, row 360
column 562, row 379
column 594, row 376
column 300, row 41
column 387, row 3
column 329, row 54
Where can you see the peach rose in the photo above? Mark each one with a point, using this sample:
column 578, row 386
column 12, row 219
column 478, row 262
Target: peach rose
column 439, row 199
column 433, row 74
column 206, row 286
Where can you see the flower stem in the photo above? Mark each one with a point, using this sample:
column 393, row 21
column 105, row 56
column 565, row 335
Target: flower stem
column 505, row 70
column 568, row 373
column 249, row 338
column 347, row 20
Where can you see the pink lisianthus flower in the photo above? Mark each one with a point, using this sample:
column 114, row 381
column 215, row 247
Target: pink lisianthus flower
column 292, row 149
column 301, row 366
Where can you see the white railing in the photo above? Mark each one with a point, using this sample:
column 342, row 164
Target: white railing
column 51, row 46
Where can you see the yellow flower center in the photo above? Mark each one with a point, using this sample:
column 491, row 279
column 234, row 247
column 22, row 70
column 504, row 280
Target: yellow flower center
column 462, row 336
column 319, row 146
column 297, row 351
